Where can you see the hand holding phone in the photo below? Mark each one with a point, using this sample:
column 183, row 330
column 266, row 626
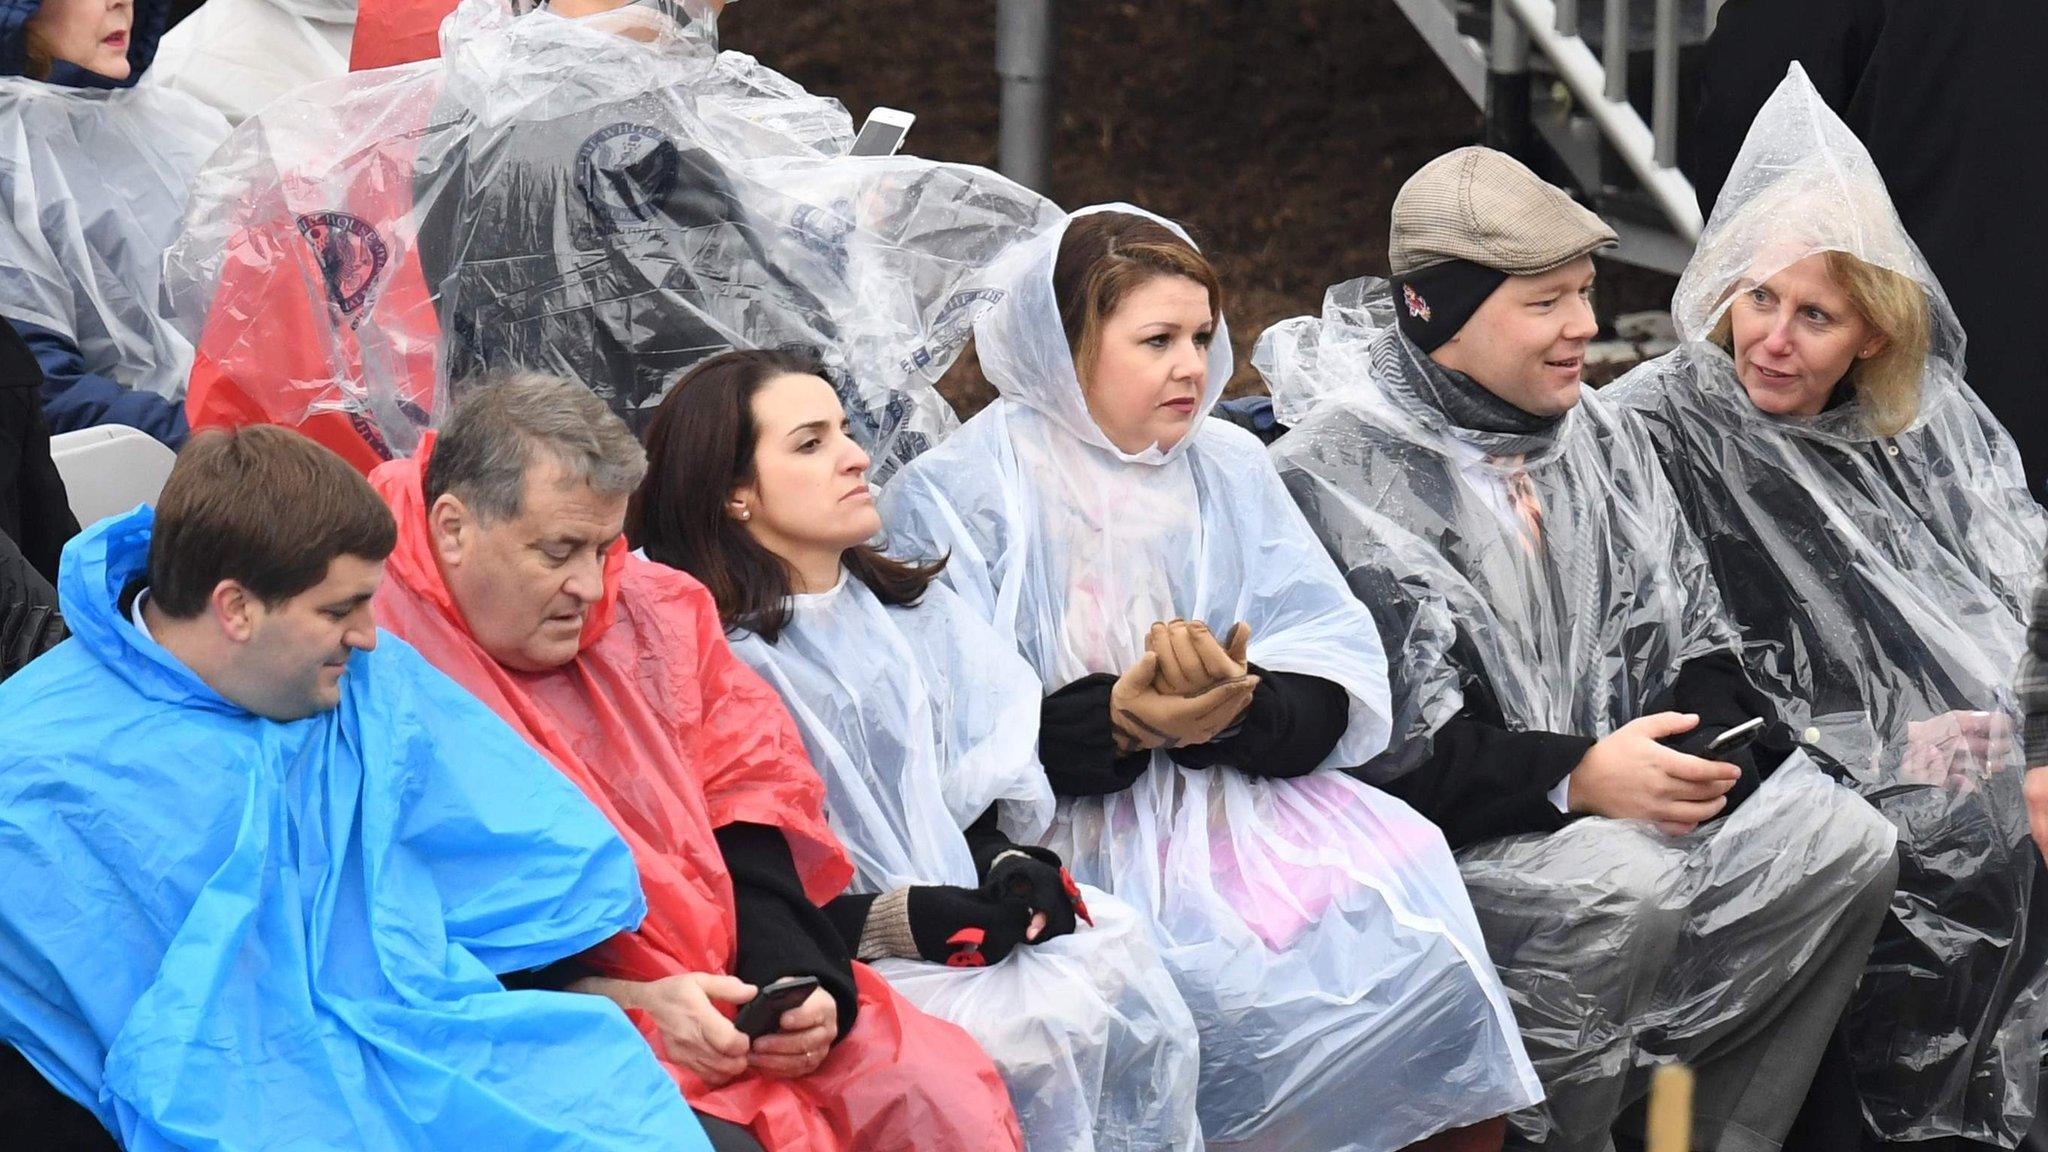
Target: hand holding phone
column 763, row 1014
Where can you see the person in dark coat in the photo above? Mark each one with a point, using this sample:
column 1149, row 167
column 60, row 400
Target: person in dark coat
column 35, row 512
column 1946, row 99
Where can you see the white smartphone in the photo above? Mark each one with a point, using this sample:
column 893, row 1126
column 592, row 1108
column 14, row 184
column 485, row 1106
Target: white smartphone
column 1735, row 739
column 883, row 133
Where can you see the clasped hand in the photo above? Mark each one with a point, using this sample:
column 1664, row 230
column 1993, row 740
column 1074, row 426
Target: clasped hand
column 1185, row 690
column 696, row 1035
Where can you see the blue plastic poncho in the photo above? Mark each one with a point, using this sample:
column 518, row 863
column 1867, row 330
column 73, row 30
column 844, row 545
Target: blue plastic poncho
column 223, row 932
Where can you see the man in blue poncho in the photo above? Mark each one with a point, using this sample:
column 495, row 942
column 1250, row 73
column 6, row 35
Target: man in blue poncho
column 264, row 865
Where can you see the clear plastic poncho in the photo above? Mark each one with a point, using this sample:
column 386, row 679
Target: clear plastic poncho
column 1317, row 927
column 1577, row 636
column 1088, row 1030
column 1882, row 584
column 95, row 183
column 239, row 55
column 608, row 198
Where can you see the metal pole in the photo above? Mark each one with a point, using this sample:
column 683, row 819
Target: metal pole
column 1664, row 87
column 1614, row 50
column 1025, row 37
column 1508, row 124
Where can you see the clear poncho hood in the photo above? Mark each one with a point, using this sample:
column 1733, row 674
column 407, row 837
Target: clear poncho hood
column 1804, row 184
column 608, row 198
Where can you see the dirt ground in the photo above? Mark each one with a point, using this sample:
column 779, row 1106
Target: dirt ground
column 1277, row 131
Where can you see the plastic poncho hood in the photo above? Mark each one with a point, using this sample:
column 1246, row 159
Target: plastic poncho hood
column 328, row 902
column 95, row 177
column 1577, row 626
column 1882, row 585
column 1088, row 1030
column 1255, row 889
column 239, row 55
column 673, row 737
column 608, row 198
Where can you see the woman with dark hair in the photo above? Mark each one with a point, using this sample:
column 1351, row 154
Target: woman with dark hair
column 923, row 724
column 1212, row 675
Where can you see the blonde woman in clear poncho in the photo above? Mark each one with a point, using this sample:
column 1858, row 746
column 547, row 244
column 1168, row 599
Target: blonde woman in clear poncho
column 1559, row 661
column 1869, row 525
column 1207, row 672
column 924, row 726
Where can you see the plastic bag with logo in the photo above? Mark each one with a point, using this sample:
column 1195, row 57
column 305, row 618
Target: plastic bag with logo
column 1317, row 927
column 1621, row 946
column 608, row 198
column 1088, row 1029
column 1878, row 555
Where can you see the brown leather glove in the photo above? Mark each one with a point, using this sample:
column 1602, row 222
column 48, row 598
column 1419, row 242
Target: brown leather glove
column 1144, row 717
column 1191, row 661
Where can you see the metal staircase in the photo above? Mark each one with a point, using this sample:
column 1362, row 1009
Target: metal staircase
column 1588, row 93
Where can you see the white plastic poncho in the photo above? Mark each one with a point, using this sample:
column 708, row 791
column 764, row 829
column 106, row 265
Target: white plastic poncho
column 1882, row 583
column 239, row 55
column 1576, row 636
column 1316, row 926
column 95, row 182
column 608, row 198
column 919, row 720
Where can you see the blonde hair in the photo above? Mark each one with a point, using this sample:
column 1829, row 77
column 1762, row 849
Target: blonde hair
column 1887, row 385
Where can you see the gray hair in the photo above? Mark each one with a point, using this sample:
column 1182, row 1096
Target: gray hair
column 490, row 441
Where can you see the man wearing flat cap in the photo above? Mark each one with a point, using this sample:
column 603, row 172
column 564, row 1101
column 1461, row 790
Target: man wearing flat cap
column 1561, row 669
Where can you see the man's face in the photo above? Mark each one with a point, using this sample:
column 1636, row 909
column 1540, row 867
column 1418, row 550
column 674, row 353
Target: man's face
column 1527, row 343
column 526, row 584
column 291, row 665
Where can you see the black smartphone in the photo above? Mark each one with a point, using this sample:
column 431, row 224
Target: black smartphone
column 1734, row 739
column 763, row 1014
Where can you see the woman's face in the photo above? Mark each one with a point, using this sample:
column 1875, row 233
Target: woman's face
column 1151, row 364
column 809, row 494
column 1796, row 335
column 92, row 34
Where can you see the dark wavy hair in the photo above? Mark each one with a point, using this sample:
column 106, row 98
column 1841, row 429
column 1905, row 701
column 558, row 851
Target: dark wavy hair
column 699, row 448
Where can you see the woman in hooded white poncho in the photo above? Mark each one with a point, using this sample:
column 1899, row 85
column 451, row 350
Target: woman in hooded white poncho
column 924, row 728
column 94, row 176
column 1869, row 524
column 1316, row 927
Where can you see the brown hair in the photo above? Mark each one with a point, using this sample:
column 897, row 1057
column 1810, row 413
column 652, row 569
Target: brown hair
column 37, row 55
column 262, row 506
column 1887, row 386
column 699, row 448
column 1103, row 258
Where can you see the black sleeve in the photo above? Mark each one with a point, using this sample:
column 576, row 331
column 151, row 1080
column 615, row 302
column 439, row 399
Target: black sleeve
column 849, row 916
column 34, row 508
column 781, row 933
column 1482, row 782
column 1293, row 722
column 985, row 840
column 550, row 978
column 1078, row 746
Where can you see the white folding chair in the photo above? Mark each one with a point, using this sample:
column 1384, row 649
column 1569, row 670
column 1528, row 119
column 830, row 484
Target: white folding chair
column 110, row 469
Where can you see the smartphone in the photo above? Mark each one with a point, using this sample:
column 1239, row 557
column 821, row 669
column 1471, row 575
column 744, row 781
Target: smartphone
column 883, row 133
column 1735, row 739
column 763, row 1014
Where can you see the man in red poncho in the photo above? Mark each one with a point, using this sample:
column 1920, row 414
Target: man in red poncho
column 511, row 576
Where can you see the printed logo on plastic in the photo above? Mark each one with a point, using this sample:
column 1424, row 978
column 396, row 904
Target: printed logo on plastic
column 625, row 171
column 351, row 256
column 955, row 323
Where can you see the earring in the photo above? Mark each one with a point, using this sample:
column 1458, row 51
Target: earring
column 744, row 513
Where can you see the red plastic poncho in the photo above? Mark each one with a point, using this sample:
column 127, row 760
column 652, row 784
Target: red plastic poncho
column 671, row 736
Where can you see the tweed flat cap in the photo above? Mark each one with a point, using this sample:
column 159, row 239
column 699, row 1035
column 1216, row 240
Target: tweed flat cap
column 1484, row 206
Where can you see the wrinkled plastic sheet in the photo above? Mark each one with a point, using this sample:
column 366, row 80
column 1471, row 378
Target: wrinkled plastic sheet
column 1318, row 929
column 1579, row 636
column 96, row 181
column 1088, row 1030
column 608, row 198
column 1882, row 585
